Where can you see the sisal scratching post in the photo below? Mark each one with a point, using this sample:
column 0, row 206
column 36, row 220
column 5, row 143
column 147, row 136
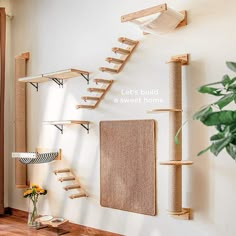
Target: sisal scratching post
column 175, row 121
column 20, row 120
column 175, row 161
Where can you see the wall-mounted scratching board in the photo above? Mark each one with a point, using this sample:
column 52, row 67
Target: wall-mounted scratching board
column 20, row 119
column 157, row 20
column 100, row 93
column 128, row 165
column 125, row 53
column 75, row 187
column 58, row 77
column 38, row 157
column 175, row 162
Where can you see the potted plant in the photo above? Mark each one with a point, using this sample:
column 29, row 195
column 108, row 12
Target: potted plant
column 220, row 115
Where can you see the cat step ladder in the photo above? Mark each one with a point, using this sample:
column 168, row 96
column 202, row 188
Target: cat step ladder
column 125, row 53
column 99, row 94
column 66, row 175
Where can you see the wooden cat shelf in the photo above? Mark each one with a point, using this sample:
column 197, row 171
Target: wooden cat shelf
column 60, row 124
column 66, row 175
column 37, row 157
column 157, row 19
column 100, row 93
column 58, row 77
column 125, row 55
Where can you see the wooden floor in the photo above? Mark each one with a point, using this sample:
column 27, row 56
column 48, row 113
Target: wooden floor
column 14, row 226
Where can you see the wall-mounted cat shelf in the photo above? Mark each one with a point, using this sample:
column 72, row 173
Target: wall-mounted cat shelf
column 106, row 84
column 37, row 157
column 60, row 124
column 125, row 55
column 175, row 161
column 70, row 176
column 157, row 19
column 57, row 77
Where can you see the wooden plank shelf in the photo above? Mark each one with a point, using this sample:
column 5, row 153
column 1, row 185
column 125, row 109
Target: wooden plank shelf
column 75, row 185
column 97, row 99
column 58, row 77
column 114, row 60
column 61, row 171
column 109, row 70
column 127, row 41
column 121, row 51
column 85, row 106
column 165, row 110
column 102, row 81
column 176, row 163
column 78, row 195
column 60, row 124
column 86, row 98
column 66, row 178
column 157, row 22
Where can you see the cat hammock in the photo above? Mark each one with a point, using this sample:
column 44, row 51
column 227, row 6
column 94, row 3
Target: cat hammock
column 157, row 20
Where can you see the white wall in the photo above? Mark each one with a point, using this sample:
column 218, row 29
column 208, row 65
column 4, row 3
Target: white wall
column 60, row 34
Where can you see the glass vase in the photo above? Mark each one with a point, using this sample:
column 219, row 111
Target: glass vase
column 33, row 214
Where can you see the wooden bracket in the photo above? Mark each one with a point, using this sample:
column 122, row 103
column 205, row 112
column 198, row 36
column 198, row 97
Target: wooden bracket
column 185, row 214
column 25, row 55
column 183, row 59
column 184, row 21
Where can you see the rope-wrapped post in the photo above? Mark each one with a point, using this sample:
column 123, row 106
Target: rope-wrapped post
column 175, row 121
column 20, row 120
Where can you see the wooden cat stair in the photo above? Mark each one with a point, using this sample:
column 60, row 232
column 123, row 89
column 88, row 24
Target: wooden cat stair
column 125, row 54
column 69, row 176
column 118, row 63
column 100, row 93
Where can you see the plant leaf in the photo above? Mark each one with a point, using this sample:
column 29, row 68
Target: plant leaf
column 218, row 146
column 210, row 90
column 217, row 136
column 226, row 117
column 226, row 80
column 202, row 112
column 224, row 101
column 177, row 134
column 203, row 151
column 231, row 65
column 231, row 149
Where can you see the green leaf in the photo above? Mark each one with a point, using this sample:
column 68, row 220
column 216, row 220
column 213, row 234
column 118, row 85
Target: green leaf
column 202, row 112
column 217, row 136
column 231, row 65
column 203, row 151
column 218, row 146
column 177, row 134
column 226, row 117
column 226, row 80
column 210, row 90
column 231, row 149
column 220, row 127
column 224, row 101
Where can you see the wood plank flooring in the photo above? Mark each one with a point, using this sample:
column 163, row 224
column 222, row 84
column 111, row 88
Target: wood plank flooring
column 15, row 226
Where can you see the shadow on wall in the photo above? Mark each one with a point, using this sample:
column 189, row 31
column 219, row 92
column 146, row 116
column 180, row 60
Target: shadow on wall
column 199, row 176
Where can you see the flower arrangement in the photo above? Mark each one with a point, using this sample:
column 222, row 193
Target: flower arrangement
column 33, row 194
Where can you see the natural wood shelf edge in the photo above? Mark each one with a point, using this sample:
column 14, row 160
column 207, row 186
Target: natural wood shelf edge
column 165, row 110
column 176, row 163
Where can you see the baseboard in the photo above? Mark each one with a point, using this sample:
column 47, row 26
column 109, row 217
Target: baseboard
column 69, row 226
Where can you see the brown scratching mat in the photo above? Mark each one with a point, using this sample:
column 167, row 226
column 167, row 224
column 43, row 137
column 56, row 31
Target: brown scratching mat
column 128, row 165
